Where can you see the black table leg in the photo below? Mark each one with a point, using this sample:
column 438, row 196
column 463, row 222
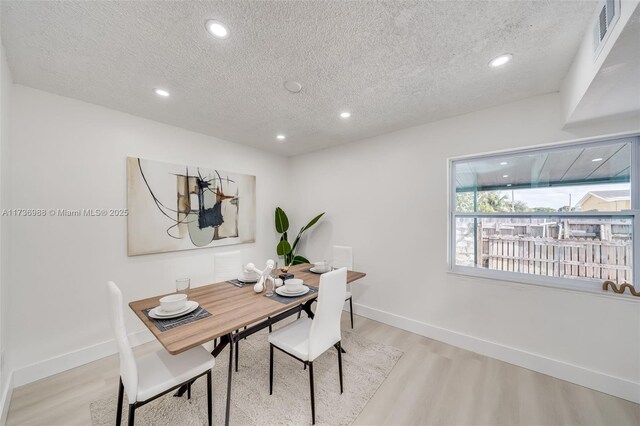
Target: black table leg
column 228, row 409
column 237, row 352
column 224, row 341
column 307, row 308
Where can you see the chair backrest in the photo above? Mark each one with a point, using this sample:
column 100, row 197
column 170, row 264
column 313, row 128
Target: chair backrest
column 342, row 257
column 227, row 266
column 325, row 329
column 128, row 367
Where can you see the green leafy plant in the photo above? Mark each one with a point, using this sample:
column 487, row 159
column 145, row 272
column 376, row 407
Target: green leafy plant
column 284, row 248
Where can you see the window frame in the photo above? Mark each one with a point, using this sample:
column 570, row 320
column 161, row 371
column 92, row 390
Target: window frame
column 543, row 280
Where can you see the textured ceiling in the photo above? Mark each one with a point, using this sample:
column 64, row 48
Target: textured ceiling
column 393, row 64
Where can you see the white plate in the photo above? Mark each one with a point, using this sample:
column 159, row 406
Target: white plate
column 158, row 313
column 302, row 290
column 315, row 271
column 162, row 313
column 283, row 292
column 248, row 281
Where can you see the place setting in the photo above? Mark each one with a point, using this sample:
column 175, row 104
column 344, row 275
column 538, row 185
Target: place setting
column 176, row 309
column 320, row 268
column 247, row 277
column 292, row 288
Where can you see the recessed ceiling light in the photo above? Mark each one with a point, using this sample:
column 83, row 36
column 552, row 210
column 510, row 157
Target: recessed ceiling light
column 281, row 137
column 217, row 29
column 345, row 114
column 161, row 92
column 500, row 60
column 597, row 159
column 504, row 163
column 505, row 176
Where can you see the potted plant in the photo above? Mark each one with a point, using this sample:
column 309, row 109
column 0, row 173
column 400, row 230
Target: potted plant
column 284, row 248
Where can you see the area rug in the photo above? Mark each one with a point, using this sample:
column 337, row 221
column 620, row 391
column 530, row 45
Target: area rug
column 365, row 366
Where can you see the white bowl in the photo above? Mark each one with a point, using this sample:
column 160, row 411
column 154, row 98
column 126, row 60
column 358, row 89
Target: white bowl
column 249, row 275
column 173, row 302
column 321, row 267
column 293, row 284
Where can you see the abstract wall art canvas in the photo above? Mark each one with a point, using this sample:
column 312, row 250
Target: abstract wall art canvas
column 175, row 207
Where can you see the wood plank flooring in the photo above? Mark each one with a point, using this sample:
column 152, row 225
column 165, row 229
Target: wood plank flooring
column 432, row 384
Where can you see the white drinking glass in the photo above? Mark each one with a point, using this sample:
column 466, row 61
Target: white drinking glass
column 183, row 285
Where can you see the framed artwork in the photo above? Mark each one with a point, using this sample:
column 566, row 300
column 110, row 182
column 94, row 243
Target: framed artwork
column 175, row 207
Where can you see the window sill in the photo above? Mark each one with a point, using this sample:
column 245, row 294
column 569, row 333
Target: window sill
column 527, row 280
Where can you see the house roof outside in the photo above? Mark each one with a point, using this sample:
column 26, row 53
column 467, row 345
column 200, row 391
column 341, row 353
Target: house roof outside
column 612, row 195
column 571, row 166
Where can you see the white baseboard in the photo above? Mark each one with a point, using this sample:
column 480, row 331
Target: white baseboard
column 6, row 399
column 67, row 361
column 599, row 381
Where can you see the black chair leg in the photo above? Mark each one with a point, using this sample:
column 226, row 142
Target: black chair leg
column 132, row 413
column 351, row 310
column 270, row 369
column 209, row 398
column 340, row 364
column 119, row 408
column 313, row 401
column 299, row 311
column 189, row 391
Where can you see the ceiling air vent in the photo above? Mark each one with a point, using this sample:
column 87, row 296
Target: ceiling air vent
column 608, row 14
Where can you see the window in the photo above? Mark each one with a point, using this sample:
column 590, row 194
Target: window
column 562, row 216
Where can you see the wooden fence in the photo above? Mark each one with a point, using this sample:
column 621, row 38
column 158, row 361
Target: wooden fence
column 574, row 257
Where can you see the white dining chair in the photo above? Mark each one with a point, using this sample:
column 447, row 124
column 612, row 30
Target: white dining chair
column 343, row 258
column 306, row 339
column 157, row 373
column 227, row 266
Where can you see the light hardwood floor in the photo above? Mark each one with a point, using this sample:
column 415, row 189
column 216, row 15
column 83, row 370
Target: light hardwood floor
column 433, row 383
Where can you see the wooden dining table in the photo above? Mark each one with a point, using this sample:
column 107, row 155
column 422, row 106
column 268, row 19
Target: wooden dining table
column 236, row 313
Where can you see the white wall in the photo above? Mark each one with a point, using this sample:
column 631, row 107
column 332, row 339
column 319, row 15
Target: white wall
column 584, row 69
column 5, row 93
column 387, row 197
column 71, row 154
